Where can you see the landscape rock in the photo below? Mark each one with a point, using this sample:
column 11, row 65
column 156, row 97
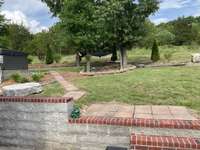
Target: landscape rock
column 196, row 58
column 24, row 89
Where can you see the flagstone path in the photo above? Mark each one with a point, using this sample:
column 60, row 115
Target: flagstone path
column 71, row 90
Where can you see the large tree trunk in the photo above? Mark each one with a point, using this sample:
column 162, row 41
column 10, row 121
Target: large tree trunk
column 88, row 58
column 78, row 59
column 123, row 58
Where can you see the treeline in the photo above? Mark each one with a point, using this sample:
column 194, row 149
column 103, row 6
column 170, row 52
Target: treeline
column 182, row 31
column 99, row 28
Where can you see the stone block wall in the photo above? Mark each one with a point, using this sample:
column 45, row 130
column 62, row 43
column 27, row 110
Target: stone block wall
column 33, row 123
column 42, row 124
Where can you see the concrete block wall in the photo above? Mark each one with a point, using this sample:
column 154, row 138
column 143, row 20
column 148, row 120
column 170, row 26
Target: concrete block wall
column 33, row 123
column 42, row 124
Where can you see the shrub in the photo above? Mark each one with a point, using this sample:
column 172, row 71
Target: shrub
column 37, row 77
column 16, row 77
column 57, row 58
column 19, row 79
column 75, row 112
column 30, row 59
column 49, row 56
column 168, row 56
column 155, row 56
column 24, row 80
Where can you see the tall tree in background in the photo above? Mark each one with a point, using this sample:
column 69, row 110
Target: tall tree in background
column 126, row 18
column 17, row 36
column 2, row 26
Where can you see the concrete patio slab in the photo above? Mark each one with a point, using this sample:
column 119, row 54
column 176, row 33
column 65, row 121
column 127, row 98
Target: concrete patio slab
column 139, row 112
column 146, row 109
column 158, row 110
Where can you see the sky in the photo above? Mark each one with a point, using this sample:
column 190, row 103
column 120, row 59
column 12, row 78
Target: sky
column 36, row 16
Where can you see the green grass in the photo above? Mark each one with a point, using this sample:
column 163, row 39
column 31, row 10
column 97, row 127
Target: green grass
column 180, row 54
column 54, row 89
column 158, row 86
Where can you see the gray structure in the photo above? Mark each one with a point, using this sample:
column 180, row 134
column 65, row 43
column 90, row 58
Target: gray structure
column 12, row 62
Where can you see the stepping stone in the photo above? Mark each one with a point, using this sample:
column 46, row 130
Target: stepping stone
column 24, row 89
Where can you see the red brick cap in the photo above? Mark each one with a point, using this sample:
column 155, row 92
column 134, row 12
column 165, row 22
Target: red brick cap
column 142, row 142
column 36, row 99
column 151, row 123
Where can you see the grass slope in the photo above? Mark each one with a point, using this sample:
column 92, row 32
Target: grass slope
column 159, row 86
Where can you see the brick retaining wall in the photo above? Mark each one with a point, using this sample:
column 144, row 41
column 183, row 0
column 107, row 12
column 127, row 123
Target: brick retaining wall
column 150, row 123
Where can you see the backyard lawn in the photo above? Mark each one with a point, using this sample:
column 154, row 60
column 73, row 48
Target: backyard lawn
column 53, row 89
column 158, row 86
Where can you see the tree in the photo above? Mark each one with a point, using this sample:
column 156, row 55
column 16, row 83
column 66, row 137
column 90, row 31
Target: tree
column 101, row 25
column 49, row 55
column 2, row 27
column 164, row 37
column 17, row 36
column 38, row 45
column 183, row 31
column 155, row 56
column 122, row 21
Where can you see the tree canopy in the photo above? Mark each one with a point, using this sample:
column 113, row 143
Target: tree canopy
column 101, row 24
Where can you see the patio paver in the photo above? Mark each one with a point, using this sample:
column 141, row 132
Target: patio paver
column 139, row 112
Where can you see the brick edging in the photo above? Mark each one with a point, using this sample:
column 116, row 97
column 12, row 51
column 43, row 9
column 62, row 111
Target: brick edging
column 151, row 123
column 141, row 142
column 35, row 99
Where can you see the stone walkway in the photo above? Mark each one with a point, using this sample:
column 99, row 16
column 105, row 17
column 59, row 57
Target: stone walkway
column 71, row 90
column 146, row 112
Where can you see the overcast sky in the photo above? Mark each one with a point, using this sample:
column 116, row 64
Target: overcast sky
column 35, row 15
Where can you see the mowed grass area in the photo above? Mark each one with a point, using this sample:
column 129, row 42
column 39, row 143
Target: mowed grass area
column 53, row 89
column 180, row 54
column 157, row 86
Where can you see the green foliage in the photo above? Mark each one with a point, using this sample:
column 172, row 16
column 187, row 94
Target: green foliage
column 49, row 56
column 30, row 59
column 38, row 45
column 168, row 56
column 165, row 37
column 37, row 77
column 57, row 58
column 19, row 78
column 75, row 112
column 155, row 55
column 17, row 37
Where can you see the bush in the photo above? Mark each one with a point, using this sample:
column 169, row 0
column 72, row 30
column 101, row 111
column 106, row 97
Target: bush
column 57, row 58
column 49, row 56
column 75, row 112
column 30, row 59
column 168, row 56
column 155, row 55
column 37, row 77
column 16, row 77
column 19, row 79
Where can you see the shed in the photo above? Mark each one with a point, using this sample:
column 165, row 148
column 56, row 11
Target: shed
column 12, row 62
